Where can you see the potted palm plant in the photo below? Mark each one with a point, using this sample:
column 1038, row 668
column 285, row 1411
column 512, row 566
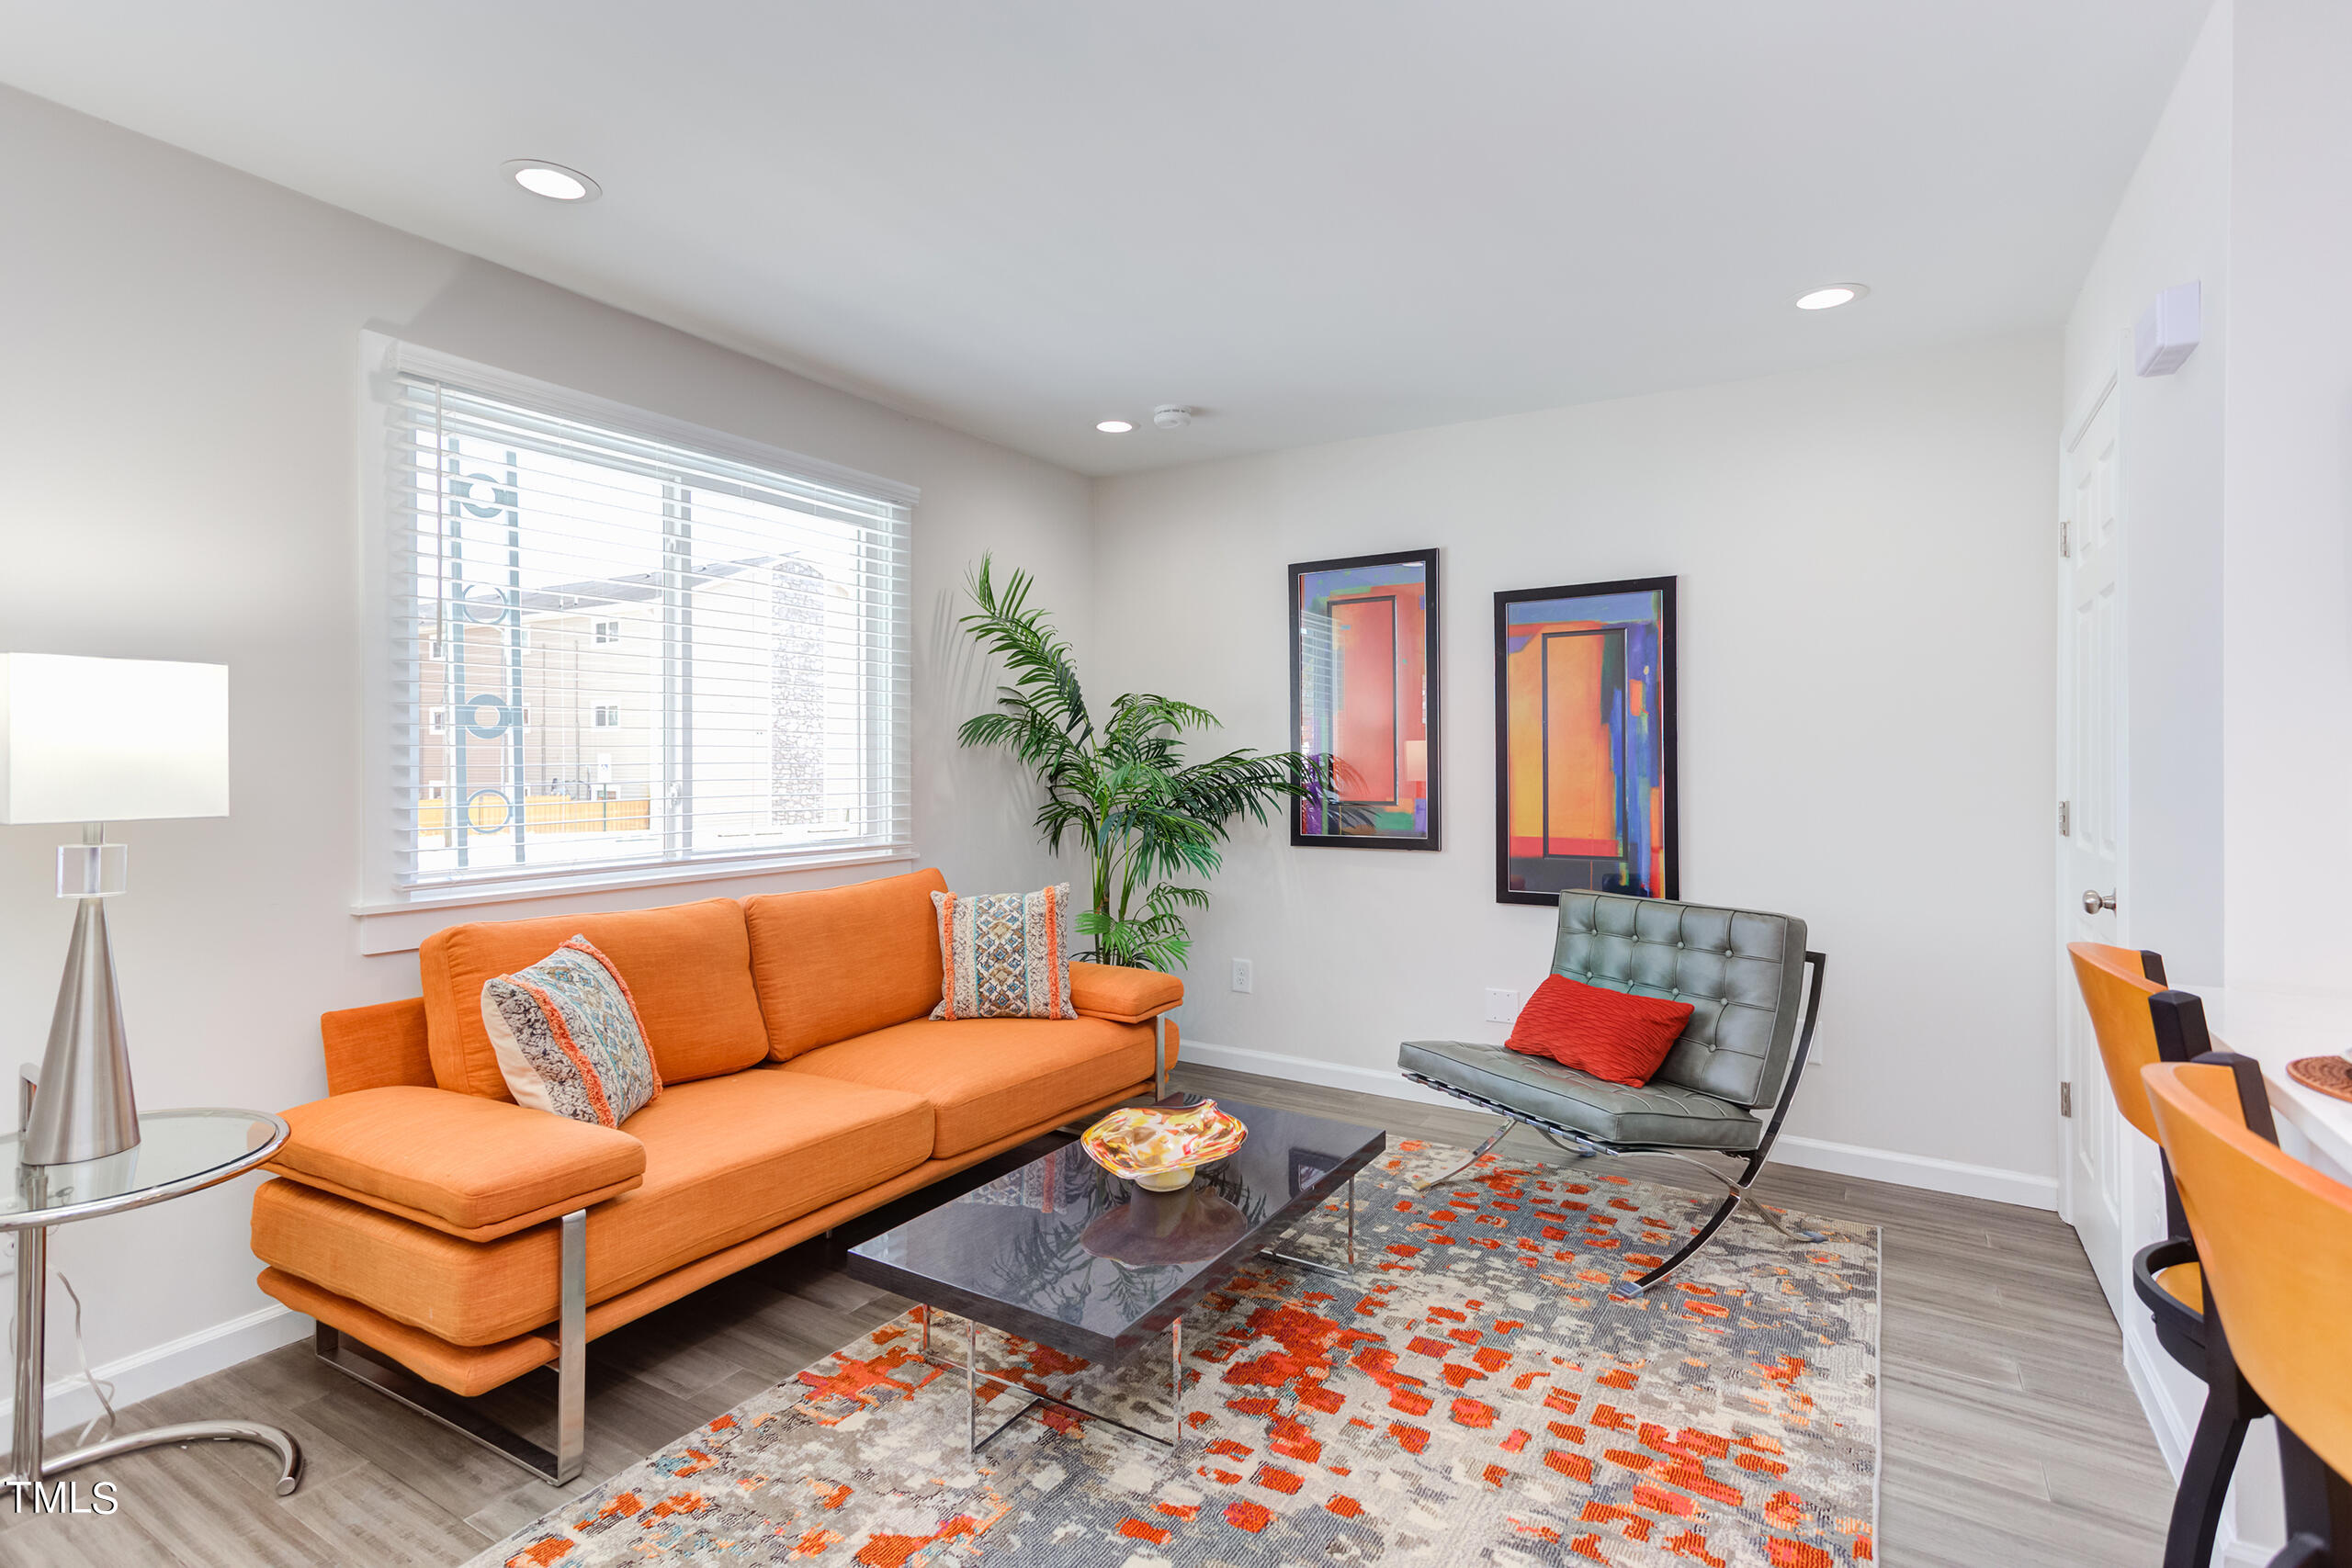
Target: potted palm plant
column 1144, row 815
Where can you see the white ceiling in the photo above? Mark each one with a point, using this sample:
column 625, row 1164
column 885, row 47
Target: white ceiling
column 1312, row 218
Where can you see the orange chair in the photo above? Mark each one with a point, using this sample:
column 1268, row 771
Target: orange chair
column 2139, row 1023
column 2276, row 1239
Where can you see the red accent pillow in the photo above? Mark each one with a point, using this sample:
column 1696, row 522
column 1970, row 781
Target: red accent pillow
column 1613, row 1035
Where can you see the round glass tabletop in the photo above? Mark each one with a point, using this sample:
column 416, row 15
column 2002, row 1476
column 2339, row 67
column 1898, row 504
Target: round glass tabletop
column 179, row 1151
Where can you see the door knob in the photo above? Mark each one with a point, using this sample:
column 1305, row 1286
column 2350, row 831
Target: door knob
column 2094, row 902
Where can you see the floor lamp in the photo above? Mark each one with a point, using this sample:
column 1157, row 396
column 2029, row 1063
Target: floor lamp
column 99, row 740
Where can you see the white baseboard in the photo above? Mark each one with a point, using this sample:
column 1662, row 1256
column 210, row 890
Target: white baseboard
column 2171, row 1427
column 1390, row 1084
column 1812, row 1153
column 1956, row 1177
column 70, row 1403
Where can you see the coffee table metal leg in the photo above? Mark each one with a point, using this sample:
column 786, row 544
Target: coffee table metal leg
column 974, row 1442
column 1333, row 1269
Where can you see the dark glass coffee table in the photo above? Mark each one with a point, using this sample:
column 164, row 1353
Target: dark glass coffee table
column 1063, row 1253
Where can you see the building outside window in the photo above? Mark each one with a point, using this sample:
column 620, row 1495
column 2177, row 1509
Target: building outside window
column 733, row 634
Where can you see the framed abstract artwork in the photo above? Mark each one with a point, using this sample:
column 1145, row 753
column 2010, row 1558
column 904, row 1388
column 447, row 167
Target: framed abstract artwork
column 1364, row 697
column 1584, row 741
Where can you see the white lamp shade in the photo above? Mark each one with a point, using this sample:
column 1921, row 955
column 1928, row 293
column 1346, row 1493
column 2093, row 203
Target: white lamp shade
column 111, row 739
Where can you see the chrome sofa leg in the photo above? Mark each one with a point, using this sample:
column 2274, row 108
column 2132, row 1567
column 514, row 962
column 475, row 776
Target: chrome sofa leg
column 1158, row 1056
column 571, row 1359
column 465, row 1416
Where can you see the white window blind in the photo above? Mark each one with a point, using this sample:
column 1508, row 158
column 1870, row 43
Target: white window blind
column 617, row 647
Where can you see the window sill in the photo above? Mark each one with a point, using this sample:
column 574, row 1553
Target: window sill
column 400, row 925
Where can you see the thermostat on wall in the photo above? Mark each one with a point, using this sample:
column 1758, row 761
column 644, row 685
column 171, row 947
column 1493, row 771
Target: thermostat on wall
column 2166, row 333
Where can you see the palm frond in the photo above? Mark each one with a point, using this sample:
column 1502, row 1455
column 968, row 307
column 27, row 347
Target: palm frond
column 1142, row 813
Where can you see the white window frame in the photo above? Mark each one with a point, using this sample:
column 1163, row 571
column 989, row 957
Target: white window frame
column 600, row 638
column 393, row 768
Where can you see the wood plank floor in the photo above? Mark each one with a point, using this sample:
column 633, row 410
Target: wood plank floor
column 2011, row 1435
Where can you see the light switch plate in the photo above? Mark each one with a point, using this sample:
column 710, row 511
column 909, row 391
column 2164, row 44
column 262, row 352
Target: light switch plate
column 1502, row 1005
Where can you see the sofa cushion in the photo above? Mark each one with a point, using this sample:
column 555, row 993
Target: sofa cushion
column 726, row 1159
column 688, row 968
column 1657, row 1114
column 378, row 1047
column 459, row 1161
column 1126, row 995
column 839, row 962
column 990, row 1076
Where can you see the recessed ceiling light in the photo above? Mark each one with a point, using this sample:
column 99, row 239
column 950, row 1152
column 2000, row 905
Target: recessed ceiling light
column 1114, row 427
column 553, row 180
column 1829, row 298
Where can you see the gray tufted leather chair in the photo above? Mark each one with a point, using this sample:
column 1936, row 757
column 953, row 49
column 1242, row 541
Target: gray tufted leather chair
column 1742, row 1050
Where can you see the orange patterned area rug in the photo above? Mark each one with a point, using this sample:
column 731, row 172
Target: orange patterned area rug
column 1476, row 1396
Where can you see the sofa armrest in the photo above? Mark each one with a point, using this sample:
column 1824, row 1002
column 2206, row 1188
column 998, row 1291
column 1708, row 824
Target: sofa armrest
column 1122, row 995
column 474, row 1167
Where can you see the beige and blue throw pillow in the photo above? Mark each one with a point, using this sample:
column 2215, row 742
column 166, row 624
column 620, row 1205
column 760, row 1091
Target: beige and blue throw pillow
column 569, row 1039
column 1004, row 954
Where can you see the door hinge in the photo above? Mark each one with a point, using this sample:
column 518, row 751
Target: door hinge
column 2065, row 1100
column 2065, row 818
column 2065, row 541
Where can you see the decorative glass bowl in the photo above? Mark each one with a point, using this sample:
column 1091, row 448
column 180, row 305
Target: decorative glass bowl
column 1158, row 1150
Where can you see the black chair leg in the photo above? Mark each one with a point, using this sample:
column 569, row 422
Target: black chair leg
column 2205, row 1477
column 2319, row 1508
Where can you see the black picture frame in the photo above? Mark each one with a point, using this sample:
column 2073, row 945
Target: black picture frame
column 1431, row 695
column 1670, row 831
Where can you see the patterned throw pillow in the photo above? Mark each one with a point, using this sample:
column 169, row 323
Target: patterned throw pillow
column 1004, row 954
column 569, row 1039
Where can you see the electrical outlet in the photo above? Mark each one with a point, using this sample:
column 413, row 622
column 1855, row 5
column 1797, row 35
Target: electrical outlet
column 1502, row 1005
column 1245, row 977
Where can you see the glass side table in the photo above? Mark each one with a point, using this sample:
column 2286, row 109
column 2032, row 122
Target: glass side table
column 179, row 1151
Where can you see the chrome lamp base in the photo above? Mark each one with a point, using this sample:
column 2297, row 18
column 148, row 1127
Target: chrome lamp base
column 83, row 1107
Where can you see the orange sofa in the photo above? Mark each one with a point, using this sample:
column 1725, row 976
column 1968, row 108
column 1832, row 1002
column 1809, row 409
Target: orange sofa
column 419, row 1210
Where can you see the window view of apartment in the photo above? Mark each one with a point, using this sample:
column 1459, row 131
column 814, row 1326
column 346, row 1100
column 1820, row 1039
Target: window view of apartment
column 616, row 661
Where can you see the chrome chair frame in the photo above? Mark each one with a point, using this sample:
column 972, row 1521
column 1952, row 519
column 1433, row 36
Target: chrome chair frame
column 1584, row 1145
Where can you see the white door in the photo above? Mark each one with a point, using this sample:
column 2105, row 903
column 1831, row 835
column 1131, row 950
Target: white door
column 2090, row 755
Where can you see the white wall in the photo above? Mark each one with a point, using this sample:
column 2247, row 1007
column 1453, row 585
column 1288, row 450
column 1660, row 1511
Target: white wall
column 2286, row 596
column 1864, row 556
column 179, row 482
column 2171, row 227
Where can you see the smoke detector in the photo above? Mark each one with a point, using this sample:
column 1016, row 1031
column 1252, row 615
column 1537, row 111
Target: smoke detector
column 1171, row 416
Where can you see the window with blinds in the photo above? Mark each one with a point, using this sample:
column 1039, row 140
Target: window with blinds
column 619, row 648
